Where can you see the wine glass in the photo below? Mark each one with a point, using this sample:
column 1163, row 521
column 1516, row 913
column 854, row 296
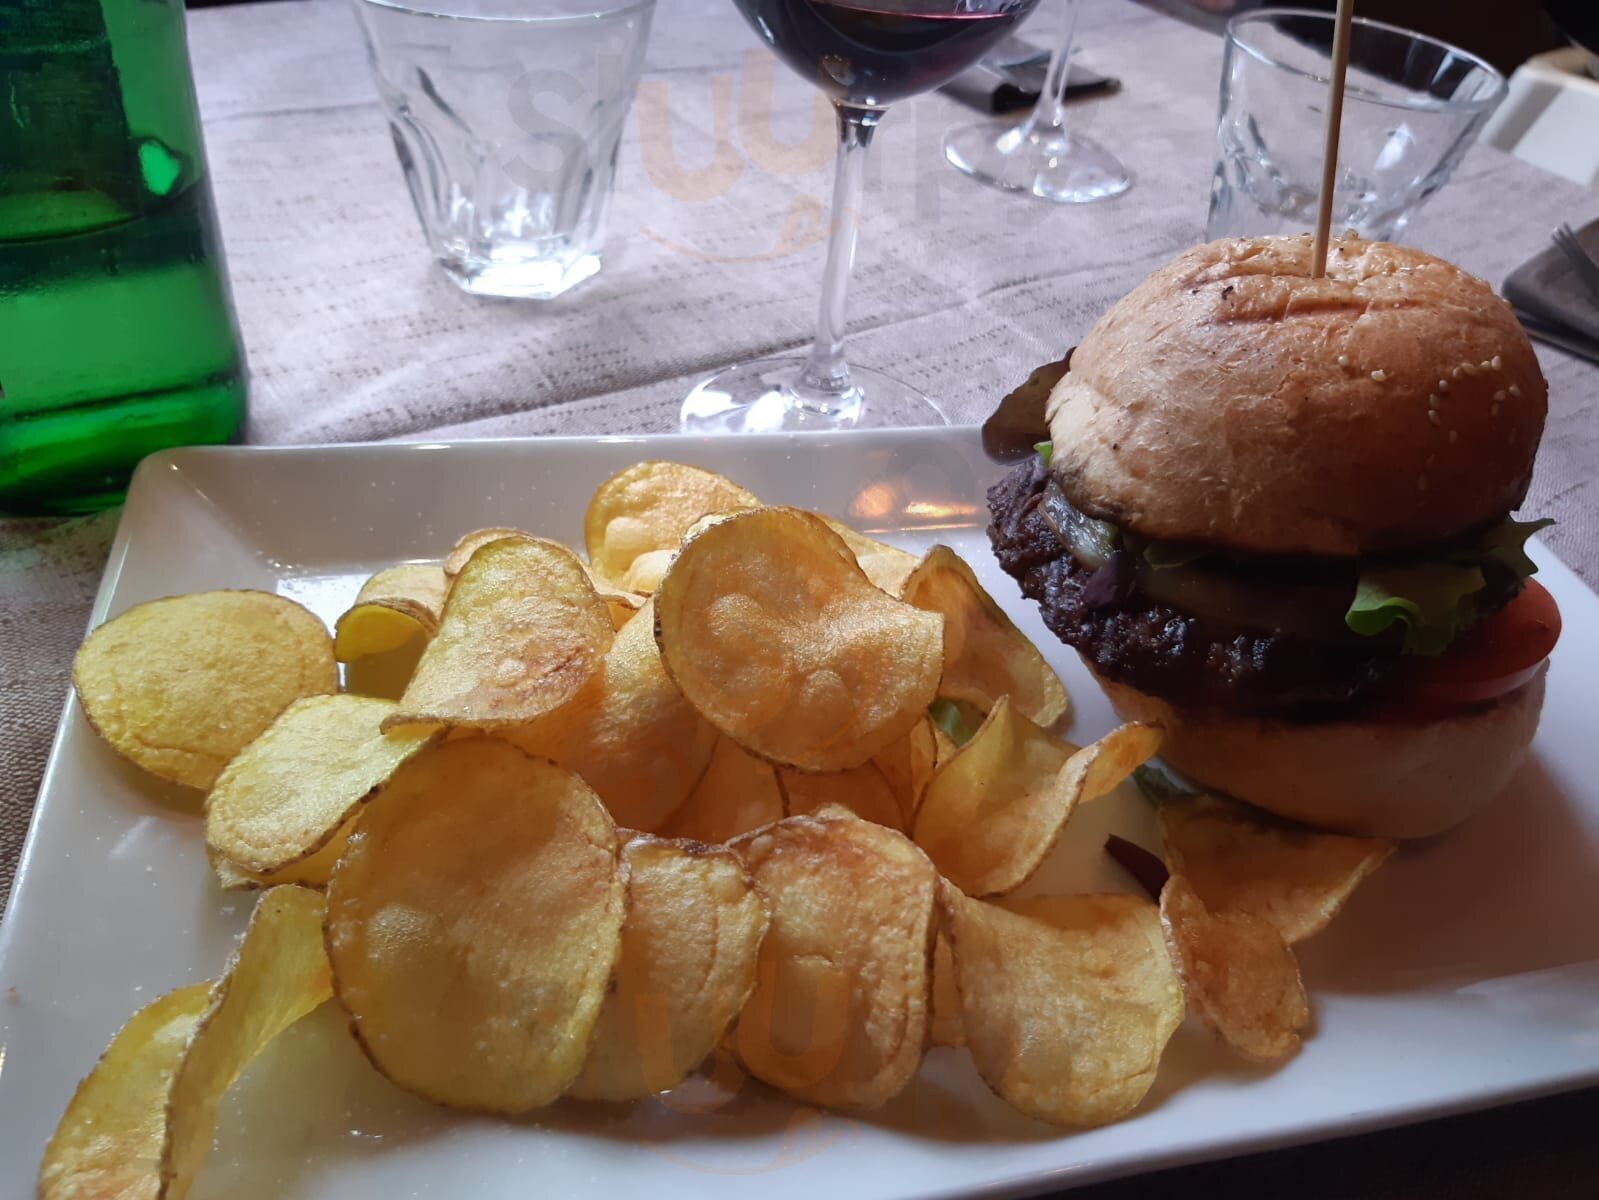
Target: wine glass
column 1041, row 156
column 865, row 54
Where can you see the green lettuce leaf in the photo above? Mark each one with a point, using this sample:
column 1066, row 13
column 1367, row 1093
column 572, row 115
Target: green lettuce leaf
column 1159, row 787
column 1431, row 600
column 954, row 720
column 1506, row 543
column 1165, row 555
column 1045, row 451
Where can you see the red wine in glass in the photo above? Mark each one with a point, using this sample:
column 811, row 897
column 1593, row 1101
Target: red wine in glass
column 873, row 52
column 864, row 54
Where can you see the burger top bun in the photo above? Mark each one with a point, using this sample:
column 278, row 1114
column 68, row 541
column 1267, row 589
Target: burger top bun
column 1232, row 399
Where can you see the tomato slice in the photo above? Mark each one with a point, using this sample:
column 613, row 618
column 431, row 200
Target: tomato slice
column 1494, row 658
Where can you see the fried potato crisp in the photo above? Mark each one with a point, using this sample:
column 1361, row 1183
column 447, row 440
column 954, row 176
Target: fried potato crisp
column 474, row 922
column 646, row 509
column 886, row 566
column 1295, row 879
column 629, row 732
column 737, row 793
column 380, row 638
column 1240, row 976
column 785, row 646
column 985, row 655
column 689, row 942
column 1067, row 1001
column 620, row 603
column 278, row 974
column 312, row 871
column 993, row 812
column 908, row 765
column 108, row 1142
column 143, row 1121
column 647, row 571
column 522, row 632
column 863, row 790
column 181, row 685
column 947, row 1028
column 392, row 608
column 841, row 1002
column 469, row 544
column 288, row 793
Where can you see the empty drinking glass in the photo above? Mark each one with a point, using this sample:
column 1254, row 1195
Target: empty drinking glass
column 1411, row 107
column 506, row 116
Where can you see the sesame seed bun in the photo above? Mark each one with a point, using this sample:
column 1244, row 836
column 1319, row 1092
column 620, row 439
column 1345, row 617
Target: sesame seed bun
column 1231, row 399
column 1377, row 777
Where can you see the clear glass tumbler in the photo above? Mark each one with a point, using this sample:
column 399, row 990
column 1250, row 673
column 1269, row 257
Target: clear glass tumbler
column 506, row 117
column 1411, row 107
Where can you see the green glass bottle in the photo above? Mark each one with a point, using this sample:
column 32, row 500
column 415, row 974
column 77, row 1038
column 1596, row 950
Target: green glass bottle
column 117, row 335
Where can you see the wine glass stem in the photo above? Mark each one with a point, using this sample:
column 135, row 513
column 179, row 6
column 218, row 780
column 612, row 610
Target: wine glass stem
column 1050, row 111
column 824, row 386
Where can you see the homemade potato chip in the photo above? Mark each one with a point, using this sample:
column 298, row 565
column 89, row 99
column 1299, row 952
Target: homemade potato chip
column 689, row 944
column 863, row 790
column 841, row 1002
column 737, row 793
column 993, row 812
column 786, row 647
column 382, row 635
column 392, row 608
column 647, row 571
column 289, row 792
column 622, row 604
column 946, row 1027
column 1067, row 1001
column 1295, row 879
column 470, row 543
column 1239, row 974
column 886, row 566
column 985, row 656
column 523, row 632
column 181, row 685
column 312, row 871
column 647, row 508
column 474, row 922
column 629, row 732
column 108, row 1142
column 278, row 974
column 142, row 1122
column 908, row 765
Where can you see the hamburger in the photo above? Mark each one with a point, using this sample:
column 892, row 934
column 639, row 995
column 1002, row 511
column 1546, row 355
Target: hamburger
column 1274, row 517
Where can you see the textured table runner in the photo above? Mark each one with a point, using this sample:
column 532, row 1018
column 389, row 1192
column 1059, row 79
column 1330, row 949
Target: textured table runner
column 714, row 255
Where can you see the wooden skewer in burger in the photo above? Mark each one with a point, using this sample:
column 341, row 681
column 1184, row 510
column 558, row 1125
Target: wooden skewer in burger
column 1275, row 519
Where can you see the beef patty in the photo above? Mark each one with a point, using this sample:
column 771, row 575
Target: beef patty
column 1167, row 653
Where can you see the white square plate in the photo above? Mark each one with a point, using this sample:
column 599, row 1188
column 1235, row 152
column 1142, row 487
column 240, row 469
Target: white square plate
column 1466, row 973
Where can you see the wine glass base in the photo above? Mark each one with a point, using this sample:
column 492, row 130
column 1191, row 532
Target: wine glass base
column 1050, row 164
column 758, row 397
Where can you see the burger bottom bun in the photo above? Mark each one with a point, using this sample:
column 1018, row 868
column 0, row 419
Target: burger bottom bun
column 1375, row 778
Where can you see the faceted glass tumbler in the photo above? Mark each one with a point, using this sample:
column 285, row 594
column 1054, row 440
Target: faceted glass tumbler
column 1411, row 107
column 506, row 116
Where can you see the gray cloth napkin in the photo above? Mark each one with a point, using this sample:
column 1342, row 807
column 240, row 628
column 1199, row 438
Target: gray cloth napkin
column 997, row 87
column 1553, row 302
